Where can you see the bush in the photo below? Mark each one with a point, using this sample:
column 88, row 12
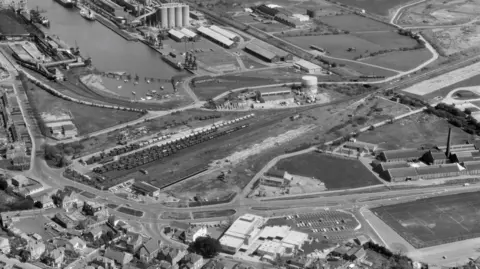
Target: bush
column 206, row 246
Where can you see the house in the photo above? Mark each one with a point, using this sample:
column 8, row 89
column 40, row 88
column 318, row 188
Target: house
column 149, row 250
column 119, row 257
column 64, row 220
column 20, row 181
column 171, row 254
column 4, row 245
column 362, row 240
column 29, row 190
column 214, row 264
column 92, row 209
column 191, row 261
column 57, row 256
column 161, row 265
column 36, row 249
column 298, row 262
column 69, row 200
column 76, row 244
column 94, row 234
column 191, row 234
column 46, row 200
column 133, row 241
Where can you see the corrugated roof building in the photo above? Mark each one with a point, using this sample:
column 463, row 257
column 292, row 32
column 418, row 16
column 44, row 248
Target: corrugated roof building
column 401, row 155
column 435, row 157
column 426, row 172
column 224, row 32
column 218, row 38
column 188, row 33
column 262, row 53
column 402, row 174
column 307, row 66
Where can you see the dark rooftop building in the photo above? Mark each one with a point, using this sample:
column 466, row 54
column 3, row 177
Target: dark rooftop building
column 401, row 155
column 145, row 189
column 435, row 157
column 262, row 53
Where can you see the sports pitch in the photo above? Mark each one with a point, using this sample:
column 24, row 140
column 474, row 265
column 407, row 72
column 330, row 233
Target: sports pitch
column 435, row 221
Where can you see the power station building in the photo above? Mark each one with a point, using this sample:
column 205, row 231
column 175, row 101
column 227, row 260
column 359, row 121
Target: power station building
column 171, row 15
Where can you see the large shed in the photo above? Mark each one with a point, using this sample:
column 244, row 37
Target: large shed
column 216, row 37
column 262, row 53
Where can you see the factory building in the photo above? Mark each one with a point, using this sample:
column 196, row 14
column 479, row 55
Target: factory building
column 176, row 35
column 225, row 33
column 435, row 157
column 401, row 155
column 171, row 15
column 262, row 53
column 425, row 172
column 266, row 10
column 111, row 7
column 216, row 37
column 197, row 15
column 145, row 189
column 242, row 231
column 308, row 67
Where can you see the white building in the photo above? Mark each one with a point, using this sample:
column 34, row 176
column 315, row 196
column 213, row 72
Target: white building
column 301, row 17
column 242, row 232
column 308, row 67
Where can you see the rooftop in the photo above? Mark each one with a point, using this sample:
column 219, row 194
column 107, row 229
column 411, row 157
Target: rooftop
column 403, row 153
column 402, row 172
column 218, row 37
column 223, row 32
column 260, row 51
column 308, row 65
column 437, row 169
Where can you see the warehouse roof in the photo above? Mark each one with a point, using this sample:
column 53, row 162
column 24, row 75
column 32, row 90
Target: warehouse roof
column 223, row 32
column 307, row 64
column 218, row 37
column 142, row 186
column 402, row 172
column 176, row 34
column 472, row 165
column 458, row 147
column 403, row 153
column 271, row 48
column 386, row 166
column 187, row 32
column 260, row 51
column 438, row 155
column 438, row 169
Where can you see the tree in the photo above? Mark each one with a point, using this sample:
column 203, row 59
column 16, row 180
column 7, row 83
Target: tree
column 206, row 246
column 38, row 204
column 3, row 184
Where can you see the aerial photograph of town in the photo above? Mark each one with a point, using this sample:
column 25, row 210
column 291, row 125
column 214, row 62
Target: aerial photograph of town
column 240, row 134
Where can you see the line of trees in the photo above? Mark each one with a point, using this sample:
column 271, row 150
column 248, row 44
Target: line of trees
column 456, row 117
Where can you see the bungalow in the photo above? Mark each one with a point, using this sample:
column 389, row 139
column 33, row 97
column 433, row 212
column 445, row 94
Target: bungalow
column 4, row 245
column 76, row 244
column 191, row 261
column 171, row 254
column 150, row 250
column 119, row 257
column 56, row 257
column 94, row 234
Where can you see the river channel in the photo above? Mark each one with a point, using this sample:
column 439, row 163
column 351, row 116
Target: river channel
column 109, row 51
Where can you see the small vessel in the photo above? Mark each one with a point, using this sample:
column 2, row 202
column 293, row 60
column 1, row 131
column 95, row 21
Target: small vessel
column 126, row 80
column 149, row 98
column 119, row 87
column 148, row 81
column 87, row 14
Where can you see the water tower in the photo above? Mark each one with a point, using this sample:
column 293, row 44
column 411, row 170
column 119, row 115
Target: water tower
column 309, row 85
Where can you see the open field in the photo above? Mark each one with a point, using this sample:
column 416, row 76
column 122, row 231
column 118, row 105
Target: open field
column 380, row 7
column 356, row 69
column 400, row 60
column 35, row 225
column 440, row 12
column 470, row 82
column 434, row 221
column 272, row 27
column 356, row 23
column 87, row 119
column 455, row 39
column 413, row 132
column 130, row 211
column 218, row 60
column 430, row 86
column 328, row 169
column 339, row 45
column 213, row 214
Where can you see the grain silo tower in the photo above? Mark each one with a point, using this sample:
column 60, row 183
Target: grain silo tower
column 178, row 16
column 309, row 84
column 164, row 17
column 171, row 17
column 186, row 15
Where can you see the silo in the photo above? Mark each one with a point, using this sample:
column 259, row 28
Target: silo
column 171, row 17
column 309, row 84
column 178, row 16
column 186, row 15
column 164, row 17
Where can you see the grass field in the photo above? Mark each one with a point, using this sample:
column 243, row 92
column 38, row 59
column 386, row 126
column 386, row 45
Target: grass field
column 87, row 119
column 413, row 132
column 380, row 7
column 358, row 69
column 355, row 23
column 130, row 211
column 330, row 170
column 388, row 40
column 434, row 221
column 213, row 214
column 400, row 60
column 270, row 28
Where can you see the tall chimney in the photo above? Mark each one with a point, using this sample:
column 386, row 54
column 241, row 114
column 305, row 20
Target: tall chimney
column 449, row 138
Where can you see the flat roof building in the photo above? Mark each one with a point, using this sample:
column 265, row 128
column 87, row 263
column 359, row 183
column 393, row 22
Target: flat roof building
column 188, row 33
column 308, row 67
column 242, row 231
column 218, row 38
column 176, row 35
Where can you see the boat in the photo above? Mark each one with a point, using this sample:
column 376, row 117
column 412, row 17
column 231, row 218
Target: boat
column 65, row 3
column 87, row 14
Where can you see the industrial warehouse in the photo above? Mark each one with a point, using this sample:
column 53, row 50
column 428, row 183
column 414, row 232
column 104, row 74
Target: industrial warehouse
column 268, row 52
column 438, row 162
column 216, row 37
